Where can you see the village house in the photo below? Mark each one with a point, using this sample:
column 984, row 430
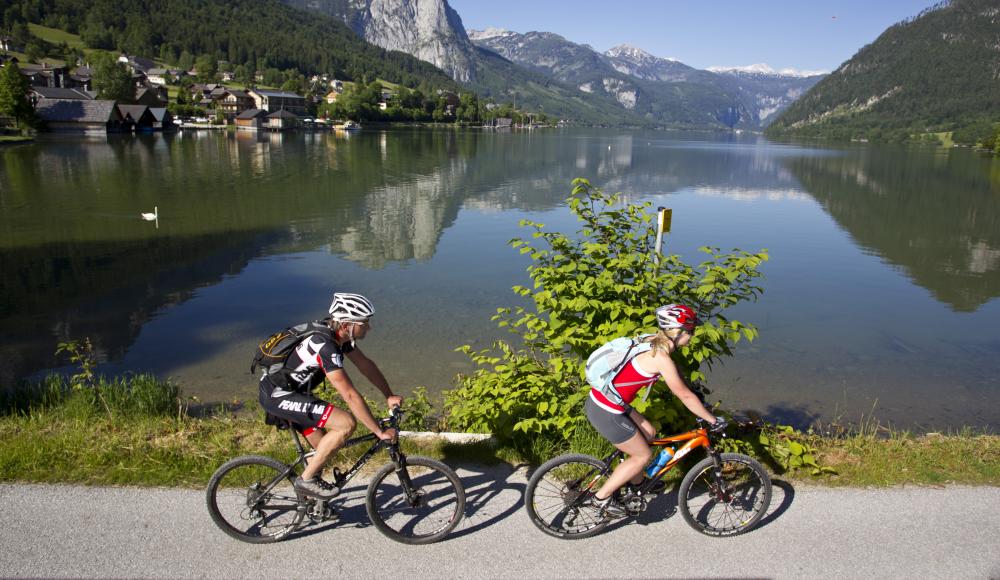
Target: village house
column 451, row 101
column 136, row 118
column 80, row 116
column 7, row 43
column 272, row 101
column 251, row 120
column 38, row 93
column 385, row 98
column 44, row 75
column 281, row 120
column 136, row 63
column 80, row 79
column 162, row 119
column 152, row 97
column 159, row 76
column 235, row 102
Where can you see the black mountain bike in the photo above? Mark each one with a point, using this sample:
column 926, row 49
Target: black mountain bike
column 414, row 500
column 724, row 494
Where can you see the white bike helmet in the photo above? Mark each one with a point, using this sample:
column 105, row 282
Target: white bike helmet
column 348, row 307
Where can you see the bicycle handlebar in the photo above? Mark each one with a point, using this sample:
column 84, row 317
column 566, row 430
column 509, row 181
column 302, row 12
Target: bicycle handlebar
column 392, row 421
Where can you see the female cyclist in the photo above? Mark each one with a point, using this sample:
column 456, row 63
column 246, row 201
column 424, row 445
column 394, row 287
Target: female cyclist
column 609, row 412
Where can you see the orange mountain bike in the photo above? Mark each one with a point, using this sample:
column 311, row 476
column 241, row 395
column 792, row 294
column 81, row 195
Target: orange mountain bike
column 724, row 494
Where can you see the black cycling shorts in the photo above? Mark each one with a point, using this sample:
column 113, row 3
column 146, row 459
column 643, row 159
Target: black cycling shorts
column 304, row 411
column 615, row 427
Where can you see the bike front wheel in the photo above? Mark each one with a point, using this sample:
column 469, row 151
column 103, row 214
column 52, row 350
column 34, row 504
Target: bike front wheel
column 558, row 493
column 726, row 502
column 418, row 504
column 251, row 499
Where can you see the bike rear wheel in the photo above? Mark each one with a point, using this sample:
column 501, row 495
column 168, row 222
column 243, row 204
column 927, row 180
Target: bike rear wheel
column 727, row 504
column 558, row 492
column 420, row 504
column 251, row 498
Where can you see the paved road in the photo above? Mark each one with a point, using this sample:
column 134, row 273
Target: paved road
column 811, row 532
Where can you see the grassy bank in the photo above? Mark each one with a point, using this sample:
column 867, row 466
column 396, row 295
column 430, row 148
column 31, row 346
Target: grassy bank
column 137, row 431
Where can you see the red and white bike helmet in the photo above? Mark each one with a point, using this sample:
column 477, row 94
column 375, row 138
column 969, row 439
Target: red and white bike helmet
column 676, row 316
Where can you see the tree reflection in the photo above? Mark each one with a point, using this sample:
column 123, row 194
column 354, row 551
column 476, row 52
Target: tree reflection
column 933, row 214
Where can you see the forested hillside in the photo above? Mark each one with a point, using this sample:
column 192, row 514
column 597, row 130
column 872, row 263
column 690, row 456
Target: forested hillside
column 258, row 34
column 938, row 72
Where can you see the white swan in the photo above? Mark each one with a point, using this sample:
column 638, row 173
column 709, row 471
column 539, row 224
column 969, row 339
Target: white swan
column 151, row 216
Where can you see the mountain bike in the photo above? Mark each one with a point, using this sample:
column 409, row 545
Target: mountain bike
column 411, row 499
column 724, row 494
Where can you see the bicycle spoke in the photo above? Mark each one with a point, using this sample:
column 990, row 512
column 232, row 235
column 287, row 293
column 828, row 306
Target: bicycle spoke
column 431, row 511
column 251, row 500
column 729, row 503
column 556, row 491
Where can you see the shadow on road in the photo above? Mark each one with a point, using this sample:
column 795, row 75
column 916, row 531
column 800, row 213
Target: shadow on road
column 782, row 496
column 490, row 496
column 664, row 507
column 350, row 506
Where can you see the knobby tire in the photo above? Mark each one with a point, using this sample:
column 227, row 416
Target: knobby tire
column 557, row 493
column 429, row 516
column 245, row 505
column 735, row 508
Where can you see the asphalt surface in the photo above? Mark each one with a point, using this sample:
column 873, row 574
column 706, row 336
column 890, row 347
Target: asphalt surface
column 809, row 532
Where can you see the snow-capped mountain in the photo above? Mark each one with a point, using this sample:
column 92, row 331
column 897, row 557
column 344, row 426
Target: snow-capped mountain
column 640, row 64
column 663, row 90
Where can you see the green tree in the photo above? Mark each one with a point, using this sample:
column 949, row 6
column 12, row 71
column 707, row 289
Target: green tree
column 206, row 67
column 468, row 108
column 590, row 287
column 112, row 80
column 185, row 61
column 167, row 54
column 242, row 74
column 14, row 89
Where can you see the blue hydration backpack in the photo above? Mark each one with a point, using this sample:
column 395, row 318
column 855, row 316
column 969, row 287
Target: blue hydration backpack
column 604, row 363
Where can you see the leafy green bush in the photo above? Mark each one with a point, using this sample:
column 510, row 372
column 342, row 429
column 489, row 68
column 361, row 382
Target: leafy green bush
column 599, row 284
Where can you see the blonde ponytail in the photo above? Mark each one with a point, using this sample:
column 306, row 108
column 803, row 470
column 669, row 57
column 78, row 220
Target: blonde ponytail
column 665, row 340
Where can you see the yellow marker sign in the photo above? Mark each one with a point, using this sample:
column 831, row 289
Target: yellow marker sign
column 666, row 215
column 663, row 219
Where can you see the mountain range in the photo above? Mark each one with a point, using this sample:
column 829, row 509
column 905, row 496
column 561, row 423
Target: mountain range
column 660, row 90
column 545, row 71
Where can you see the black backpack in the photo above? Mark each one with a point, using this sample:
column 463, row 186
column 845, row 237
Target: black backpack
column 272, row 353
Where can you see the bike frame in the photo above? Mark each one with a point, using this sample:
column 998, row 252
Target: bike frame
column 397, row 456
column 694, row 439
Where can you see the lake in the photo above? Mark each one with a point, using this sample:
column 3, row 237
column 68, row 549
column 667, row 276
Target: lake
column 880, row 294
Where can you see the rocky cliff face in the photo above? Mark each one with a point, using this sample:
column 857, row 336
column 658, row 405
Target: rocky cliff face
column 766, row 93
column 427, row 29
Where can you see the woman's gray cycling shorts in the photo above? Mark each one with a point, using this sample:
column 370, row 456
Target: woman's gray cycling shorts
column 616, row 428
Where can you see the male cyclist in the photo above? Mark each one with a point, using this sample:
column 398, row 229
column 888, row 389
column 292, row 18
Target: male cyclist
column 608, row 409
column 287, row 393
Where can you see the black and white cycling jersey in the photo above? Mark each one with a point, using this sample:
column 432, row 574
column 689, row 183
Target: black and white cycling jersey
column 308, row 364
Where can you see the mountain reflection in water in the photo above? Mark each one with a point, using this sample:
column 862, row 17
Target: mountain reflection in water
column 255, row 231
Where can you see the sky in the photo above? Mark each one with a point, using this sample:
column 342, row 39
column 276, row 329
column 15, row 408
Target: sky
column 805, row 35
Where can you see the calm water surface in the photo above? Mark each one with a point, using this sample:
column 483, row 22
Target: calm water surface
column 880, row 292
